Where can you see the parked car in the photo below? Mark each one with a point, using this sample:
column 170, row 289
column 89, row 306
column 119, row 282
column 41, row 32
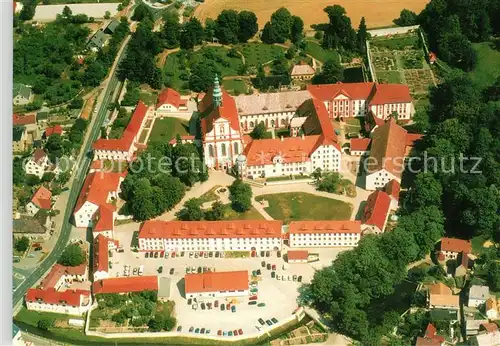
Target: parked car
column 216, row 304
column 230, row 333
column 294, row 278
column 172, row 271
column 222, row 255
column 261, row 305
column 197, row 331
column 205, row 255
column 156, row 254
column 261, row 321
column 196, row 255
column 199, row 270
column 269, row 323
column 253, row 302
column 193, row 269
column 216, row 254
column 274, row 320
column 299, row 279
column 273, row 275
column 263, row 264
column 278, row 277
column 235, row 332
column 179, row 329
column 202, row 306
column 207, row 331
column 205, row 268
column 195, row 306
column 224, row 333
column 191, row 329
column 268, row 253
column 240, row 331
column 262, row 253
column 253, row 298
column 188, row 270
column 273, row 267
column 202, row 331
column 166, row 255
column 190, row 301
column 222, row 307
column 182, row 253
column 191, row 255
column 228, row 306
column 173, row 254
column 210, row 254
column 268, row 266
column 278, row 254
column 219, row 332
column 146, row 255
column 233, row 308
column 209, row 306
column 160, row 269
column 283, row 277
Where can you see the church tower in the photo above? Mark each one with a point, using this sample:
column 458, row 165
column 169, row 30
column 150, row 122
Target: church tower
column 217, row 93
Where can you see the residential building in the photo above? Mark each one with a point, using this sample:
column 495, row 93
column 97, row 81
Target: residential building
column 302, row 72
column 486, row 339
column 464, row 263
column 238, row 235
column 19, row 139
column 111, row 27
column 104, row 222
column 98, row 41
column 99, row 189
column 451, row 247
column 124, row 148
column 478, row 295
column 309, row 234
column 489, row 327
column 472, row 326
column 60, row 275
column 125, row 285
column 220, row 128
column 37, row 163
column 21, row 94
column 72, row 302
column 346, row 100
column 275, row 110
column 492, row 308
column 386, row 160
column 430, row 337
column 297, row 256
column 317, row 147
column 170, row 101
column 393, row 188
column 42, row 199
column 27, row 120
column 360, row 146
column 102, row 246
column 53, row 130
column 376, row 212
column 440, row 296
column 216, row 284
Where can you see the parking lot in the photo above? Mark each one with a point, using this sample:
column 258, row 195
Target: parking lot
column 279, row 296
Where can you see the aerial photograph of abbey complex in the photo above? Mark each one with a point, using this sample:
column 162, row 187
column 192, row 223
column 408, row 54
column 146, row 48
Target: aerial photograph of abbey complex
column 280, row 172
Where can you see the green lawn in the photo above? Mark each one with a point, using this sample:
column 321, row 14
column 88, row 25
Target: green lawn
column 148, row 98
column 259, row 53
column 210, row 195
column 396, row 43
column 32, row 317
column 353, row 125
column 294, row 206
column 315, row 50
column 235, row 86
column 251, row 214
column 167, row 128
column 228, row 66
column 389, row 76
column 173, row 70
column 488, row 64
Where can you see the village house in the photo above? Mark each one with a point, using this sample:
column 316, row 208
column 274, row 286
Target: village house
column 102, row 246
column 463, row 265
column 302, row 72
column 237, row 235
column 430, row 338
column 297, row 256
column 310, row 234
column 72, row 302
column 170, row 101
column 42, row 199
column 440, row 296
column 376, row 213
column 492, row 308
column 29, row 121
column 37, row 163
column 486, row 339
column 216, row 284
column 125, row 285
column 478, row 295
column 98, row 41
column 360, row 146
column 21, row 94
column 100, row 189
column 472, row 326
column 124, row 148
column 451, row 247
column 19, row 139
column 393, row 188
column 53, row 130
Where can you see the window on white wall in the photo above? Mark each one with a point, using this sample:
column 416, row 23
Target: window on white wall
column 223, row 149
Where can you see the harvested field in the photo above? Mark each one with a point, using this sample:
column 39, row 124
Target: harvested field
column 377, row 13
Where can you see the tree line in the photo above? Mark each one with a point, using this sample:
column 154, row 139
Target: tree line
column 354, row 293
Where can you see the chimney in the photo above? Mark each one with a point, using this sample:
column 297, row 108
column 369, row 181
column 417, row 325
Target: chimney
column 281, row 137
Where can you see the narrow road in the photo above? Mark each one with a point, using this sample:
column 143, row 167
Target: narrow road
column 81, row 167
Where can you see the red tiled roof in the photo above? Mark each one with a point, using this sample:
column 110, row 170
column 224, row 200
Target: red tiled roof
column 390, row 93
column 101, row 255
column 392, row 188
column 226, row 110
column 105, row 219
column 360, row 144
column 210, row 229
column 456, row 245
column 355, row 91
column 97, row 187
column 431, row 333
column 183, row 138
column 388, row 149
column 490, row 327
column 23, row 119
column 131, row 131
column 216, row 281
column 171, row 97
column 125, row 285
column 297, row 255
column 426, row 342
column 39, row 155
column 42, row 198
column 51, row 296
column 321, row 227
column 59, row 270
column 53, row 130
column 97, row 165
column 376, row 209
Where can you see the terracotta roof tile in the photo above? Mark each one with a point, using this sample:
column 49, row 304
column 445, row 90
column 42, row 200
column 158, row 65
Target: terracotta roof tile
column 376, row 209
column 171, row 97
column 53, row 130
column 105, row 219
column 393, row 188
column 23, row 119
column 355, row 91
column 210, row 229
column 226, row 110
column 297, row 255
column 322, row 227
column 42, row 198
column 39, row 155
column 490, row 327
column 440, row 294
column 51, row 296
column 360, row 144
column 97, row 187
column 125, row 285
column 59, row 270
column 101, row 255
column 390, row 93
column 216, row 281
column 388, row 149
column 456, row 245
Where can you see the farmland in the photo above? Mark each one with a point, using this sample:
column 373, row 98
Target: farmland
column 377, row 13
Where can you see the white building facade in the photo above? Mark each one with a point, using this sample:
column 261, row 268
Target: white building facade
column 71, row 302
column 307, row 234
column 37, row 164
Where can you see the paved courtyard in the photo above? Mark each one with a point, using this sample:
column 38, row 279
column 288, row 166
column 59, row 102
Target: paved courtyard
column 279, row 296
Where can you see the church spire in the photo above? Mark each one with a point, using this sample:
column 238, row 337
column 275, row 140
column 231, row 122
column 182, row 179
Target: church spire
column 217, row 93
